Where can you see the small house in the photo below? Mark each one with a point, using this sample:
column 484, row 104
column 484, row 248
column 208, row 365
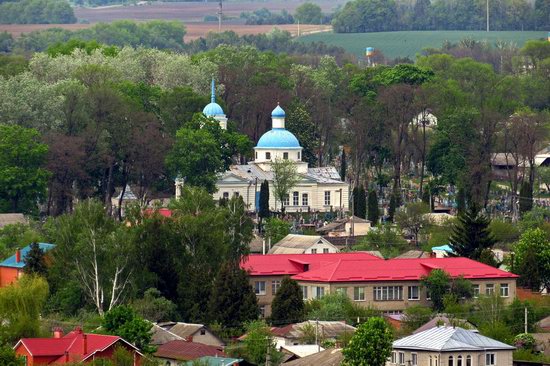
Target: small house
column 12, row 268
column 303, row 244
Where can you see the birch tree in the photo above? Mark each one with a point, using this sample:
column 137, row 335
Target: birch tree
column 285, row 177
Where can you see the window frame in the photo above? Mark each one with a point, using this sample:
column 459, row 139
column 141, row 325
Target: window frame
column 286, row 200
column 468, row 360
column 327, row 198
column 489, row 289
column 285, row 155
column 304, row 292
column 409, row 297
column 493, row 357
column 414, row 359
column 459, row 360
column 305, row 199
column 225, row 195
column 258, row 289
column 275, row 285
column 401, row 358
column 295, row 198
column 326, row 250
column 319, row 292
column 388, row 293
column 476, row 291
column 504, row 286
column 359, row 293
column 451, row 361
column 267, row 155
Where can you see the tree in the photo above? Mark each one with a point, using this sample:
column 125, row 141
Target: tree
column 532, row 259
column 338, row 307
column 276, row 229
column 395, row 202
column 285, row 177
column 438, row 284
column 258, row 343
column 416, row 316
column 385, row 239
column 309, row 13
column 372, row 210
column 370, row 345
column 9, row 358
column 300, row 123
column 288, row 305
column 34, row 261
column 232, row 301
column 471, row 234
column 359, row 202
column 239, row 230
column 525, row 198
column 362, row 16
column 413, row 218
column 154, row 307
column 23, row 180
column 124, row 322
column 264, row 212
column 343, row 166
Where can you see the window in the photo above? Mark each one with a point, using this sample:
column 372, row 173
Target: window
column 295, row 198
column 490, row 359
column 319, row 292
column 504, row 290
column 275, row 284
column 203, row 331
column 225, row 195
column 431, row 363
column 267, row 156
column 388, row 293
column 342, row 290
column 305, row 199
column 327, row 198
column 459, row 361
column 393, row 357
column 359, row 293
column 451, row 361
column 285, row 155
column 414, row 293
column 475, row 289
column 304, row 292
column 299, row 157
column 314, row 251
column 489, row 289
column 262, row 311
column 414, row 359
column 256, row 155
column 286, row 200
column 325, row 250
column 468, row 360
column 236, row 194
column 259, row 287
column 401, row 358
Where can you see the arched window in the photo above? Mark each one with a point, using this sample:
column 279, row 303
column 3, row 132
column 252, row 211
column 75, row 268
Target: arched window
column 468, row 360
column 451, row 361
column 431, row 364
column 459, row 361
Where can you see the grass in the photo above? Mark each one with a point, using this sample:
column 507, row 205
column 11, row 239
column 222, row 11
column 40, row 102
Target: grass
column 409, row 43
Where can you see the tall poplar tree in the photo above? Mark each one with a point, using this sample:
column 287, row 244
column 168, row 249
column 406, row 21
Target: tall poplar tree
column 372, row 209
column 288, row 304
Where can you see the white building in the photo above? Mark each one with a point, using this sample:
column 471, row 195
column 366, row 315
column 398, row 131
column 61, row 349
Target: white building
column 319, row 189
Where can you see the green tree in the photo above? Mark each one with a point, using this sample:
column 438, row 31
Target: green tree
column 9, row 358
column 471, row 234
column 239, row 230
column 438, row 284
column 124, row 322
column 337, row 307
column 361, row 16
column 532, row 259
column 343, row 165
column 23, row 179
column 299, row 122
column 373, row 212
column 276, row 229
column 287, row 306
column 359, row 202
column 385, row 239
column 34, row 261
column 394, row 204
column 258, row 342
column 309, row 13
column 370, row 345
column 416, row 316
column 264, row 211
column 285, row 177
column 232, row 301
column 154, row 307
column 413, row 218
column 525, row 198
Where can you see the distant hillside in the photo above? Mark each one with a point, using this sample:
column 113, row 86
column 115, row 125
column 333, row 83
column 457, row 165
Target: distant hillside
column 409, row 43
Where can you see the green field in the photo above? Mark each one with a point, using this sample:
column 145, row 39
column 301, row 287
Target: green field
column 409, row 43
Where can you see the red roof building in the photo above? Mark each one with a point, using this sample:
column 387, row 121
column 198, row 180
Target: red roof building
column 187, row 351
column 76, row 346
column 389, row 285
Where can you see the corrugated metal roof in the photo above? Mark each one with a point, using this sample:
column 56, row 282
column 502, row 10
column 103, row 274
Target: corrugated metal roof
column 251, row 171
column 446, row 339
column 162, row 336
column 296, row 244
column 327, row 329
column 329, row 357
column 303, row 350
column 12, row 218
column 11, row 261
column 442, row 320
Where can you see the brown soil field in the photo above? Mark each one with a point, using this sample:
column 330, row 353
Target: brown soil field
column 191, row 11
column 194, row 30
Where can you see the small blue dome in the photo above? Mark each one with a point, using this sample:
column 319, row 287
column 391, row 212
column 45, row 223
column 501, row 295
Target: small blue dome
column 213, row 110
column 278, row 112
column 278, row 138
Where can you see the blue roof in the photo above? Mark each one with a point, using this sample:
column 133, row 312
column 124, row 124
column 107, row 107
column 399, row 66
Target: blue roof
column 11, row 262
column 278, row 112
column 278, row 138
column 212, row 110
column 445, row 248
column 217, row 361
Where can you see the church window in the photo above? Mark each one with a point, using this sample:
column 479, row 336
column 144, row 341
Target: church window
column 256, row 155
column 327, row 198
column 286, row 200
column 299, row 157
column 305, row 199
column 267, row 156
column 225, row 195
column 236, row 194
column 295, row 198
column 285, row 155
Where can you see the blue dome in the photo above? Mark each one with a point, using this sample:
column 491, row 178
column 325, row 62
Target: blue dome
column 212, row 110
column 278, row 138
column 278, row 112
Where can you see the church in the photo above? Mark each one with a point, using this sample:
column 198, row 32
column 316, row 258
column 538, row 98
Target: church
column 319, row 189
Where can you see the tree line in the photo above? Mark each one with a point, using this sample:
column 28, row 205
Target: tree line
column 36, row 12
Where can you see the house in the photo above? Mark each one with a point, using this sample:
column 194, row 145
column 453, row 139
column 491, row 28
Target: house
column 302, row 244
column 544, row 324
column 329, row 357
column 12, row 268
column 295, row 334
column 299, row 351
column 216, row 361
column 172, row 331
column 12, row 219
column 389, row 285
column 76, row 346
column 318, row 189
column 395, row 320
column 451, row 346
column 443, row 321
column 175, row 352
column 442, row 251
column 349, row 226
column 414, row 254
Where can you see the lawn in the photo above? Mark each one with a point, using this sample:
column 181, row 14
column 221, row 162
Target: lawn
column 409, row 43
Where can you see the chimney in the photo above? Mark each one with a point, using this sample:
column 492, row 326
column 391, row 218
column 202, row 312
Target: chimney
column 189, row 338
column 17, row 255
column 84, row 344
column 67, row 356
column 78, row 330
column 57, row 332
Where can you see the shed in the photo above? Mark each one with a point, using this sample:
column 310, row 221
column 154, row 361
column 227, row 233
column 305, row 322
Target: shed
column 303, row 244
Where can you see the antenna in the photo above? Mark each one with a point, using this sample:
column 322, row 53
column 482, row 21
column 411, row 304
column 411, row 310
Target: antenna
column 220, row 13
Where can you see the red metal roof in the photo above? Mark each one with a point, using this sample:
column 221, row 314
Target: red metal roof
column 161, row 211
column 292, row 264
column 183, row 350
column 357, row 270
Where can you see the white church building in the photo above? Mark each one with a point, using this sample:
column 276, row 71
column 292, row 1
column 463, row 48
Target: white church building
column 319, row 189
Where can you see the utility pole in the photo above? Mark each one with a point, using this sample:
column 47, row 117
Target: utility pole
column 220, row 16
column 487, row 15
column 525, row 321
column 268, row 355
column 317, row 336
